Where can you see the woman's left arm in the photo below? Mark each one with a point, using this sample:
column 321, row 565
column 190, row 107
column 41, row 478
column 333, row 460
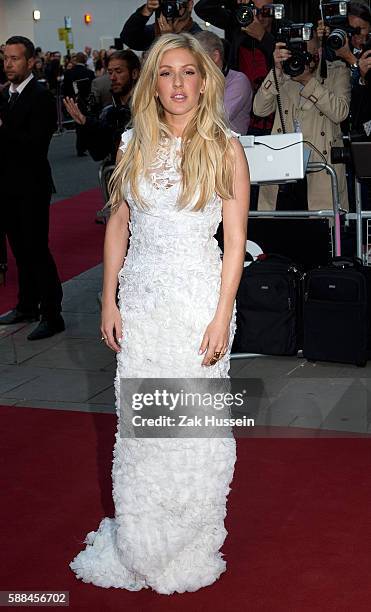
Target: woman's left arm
column 235, row 214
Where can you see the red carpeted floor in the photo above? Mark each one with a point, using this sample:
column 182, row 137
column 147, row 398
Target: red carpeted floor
column 299, row 518
column 76, row 241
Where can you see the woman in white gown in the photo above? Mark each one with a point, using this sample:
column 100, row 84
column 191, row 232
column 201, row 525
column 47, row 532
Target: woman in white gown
column 180, row 169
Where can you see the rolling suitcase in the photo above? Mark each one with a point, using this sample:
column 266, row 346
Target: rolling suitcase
column 268, row 307
column 337, row 313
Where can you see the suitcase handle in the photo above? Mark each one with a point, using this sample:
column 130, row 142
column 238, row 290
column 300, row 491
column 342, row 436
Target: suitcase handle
column 346, row 262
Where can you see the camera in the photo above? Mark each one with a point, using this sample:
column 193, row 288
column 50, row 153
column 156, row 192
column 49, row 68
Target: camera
column 335, row 15
column 245, row 13
column 170, row 9
column 296, row 36
column 342, row 155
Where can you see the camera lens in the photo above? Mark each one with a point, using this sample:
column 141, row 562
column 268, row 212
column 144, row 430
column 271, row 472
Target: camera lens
column 244, row 15
column 337, row 39
column 295, row 66
column 169, row 9
column 340, row 155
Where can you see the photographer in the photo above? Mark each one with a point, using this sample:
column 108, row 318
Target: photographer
column 237, row 92
column 357, row 54
column 251, row 47
column 359, row 20
column 173, row 16
column 315, row 107
column 102, row 135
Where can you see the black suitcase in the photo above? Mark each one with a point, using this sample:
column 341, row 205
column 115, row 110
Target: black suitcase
column 337, row 313
column 269, row 307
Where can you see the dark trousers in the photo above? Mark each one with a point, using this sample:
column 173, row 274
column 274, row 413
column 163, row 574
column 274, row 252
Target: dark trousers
column 80, row 140
column 27, row 228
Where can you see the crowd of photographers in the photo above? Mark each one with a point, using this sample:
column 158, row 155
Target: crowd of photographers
column 280, row 77
column 283, row 77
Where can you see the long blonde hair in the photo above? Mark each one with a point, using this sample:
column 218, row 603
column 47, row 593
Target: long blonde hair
column 207, row 160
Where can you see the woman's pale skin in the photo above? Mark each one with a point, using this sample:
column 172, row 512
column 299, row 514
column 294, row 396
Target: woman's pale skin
column 179, row 86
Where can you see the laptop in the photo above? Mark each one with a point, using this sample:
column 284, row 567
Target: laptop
column 278, row 158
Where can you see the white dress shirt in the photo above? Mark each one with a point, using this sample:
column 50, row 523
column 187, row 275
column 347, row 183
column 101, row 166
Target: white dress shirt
column 19, row 88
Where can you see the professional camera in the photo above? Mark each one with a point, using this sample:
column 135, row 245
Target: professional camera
column 335, row 15
column 342, row 155
column 170, row 9
column 245, row 13
column 296, row 36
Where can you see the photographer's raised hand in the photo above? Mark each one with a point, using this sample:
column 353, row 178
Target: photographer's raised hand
column 150, row 7
column 365, row 63
column 322, row 30
column 280, row 55
column 346, row 54
column 164, row 26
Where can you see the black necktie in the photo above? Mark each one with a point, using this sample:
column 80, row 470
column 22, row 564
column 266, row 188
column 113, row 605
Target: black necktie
column 13, row 98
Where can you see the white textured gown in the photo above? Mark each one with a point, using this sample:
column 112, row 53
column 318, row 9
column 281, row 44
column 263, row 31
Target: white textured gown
column 170, row 494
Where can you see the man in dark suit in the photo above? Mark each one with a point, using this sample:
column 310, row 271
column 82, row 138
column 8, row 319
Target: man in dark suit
column 27, row 122
column 77, row 85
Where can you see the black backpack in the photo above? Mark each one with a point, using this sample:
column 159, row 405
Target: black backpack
column 268, row 303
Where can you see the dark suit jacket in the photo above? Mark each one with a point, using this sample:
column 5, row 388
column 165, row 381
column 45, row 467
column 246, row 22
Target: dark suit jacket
column 25, row 136
column 83, row 76
column 136, row 34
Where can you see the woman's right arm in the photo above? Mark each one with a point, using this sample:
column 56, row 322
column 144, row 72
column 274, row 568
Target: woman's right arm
column 115, row 247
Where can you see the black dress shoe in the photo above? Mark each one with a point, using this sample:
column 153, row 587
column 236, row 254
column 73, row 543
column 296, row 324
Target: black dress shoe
column 16, row 316
column 47, row 328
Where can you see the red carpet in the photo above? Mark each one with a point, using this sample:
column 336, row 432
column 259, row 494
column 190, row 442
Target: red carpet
column 299, row 518
column 76, row 241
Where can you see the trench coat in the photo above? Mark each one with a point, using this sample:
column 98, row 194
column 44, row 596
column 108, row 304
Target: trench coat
column 319, row 107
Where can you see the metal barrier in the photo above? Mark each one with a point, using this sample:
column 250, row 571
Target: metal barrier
column 358, row 217
column 335, row 213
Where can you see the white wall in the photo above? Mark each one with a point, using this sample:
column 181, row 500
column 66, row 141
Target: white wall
column 108, row 19
column 15, row 17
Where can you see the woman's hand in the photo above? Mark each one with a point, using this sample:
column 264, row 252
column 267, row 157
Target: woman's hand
column 215, row 341
column 280, row 55
column 111, row 327
column 74, row 111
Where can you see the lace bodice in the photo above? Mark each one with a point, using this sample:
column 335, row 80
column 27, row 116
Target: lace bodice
column 165, row 171
column 160, row 185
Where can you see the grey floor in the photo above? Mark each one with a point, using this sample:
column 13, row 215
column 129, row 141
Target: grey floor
column 74, row 370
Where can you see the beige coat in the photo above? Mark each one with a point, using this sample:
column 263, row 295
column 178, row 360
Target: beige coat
column 319, row 108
